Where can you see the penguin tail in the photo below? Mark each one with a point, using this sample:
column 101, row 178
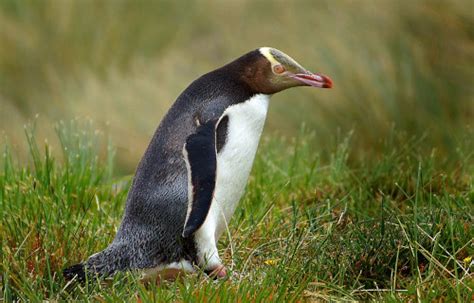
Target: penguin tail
column 76, row 272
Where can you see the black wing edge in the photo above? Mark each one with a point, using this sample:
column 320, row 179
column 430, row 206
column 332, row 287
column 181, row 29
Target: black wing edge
column 201, row 160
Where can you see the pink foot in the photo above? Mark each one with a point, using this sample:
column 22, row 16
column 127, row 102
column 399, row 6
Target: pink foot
column 218, row 273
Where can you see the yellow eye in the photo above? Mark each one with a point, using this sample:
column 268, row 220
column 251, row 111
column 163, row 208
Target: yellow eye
column 278, row 69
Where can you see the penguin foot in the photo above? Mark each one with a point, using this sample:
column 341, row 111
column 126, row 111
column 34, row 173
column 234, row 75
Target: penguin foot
column 219, row 272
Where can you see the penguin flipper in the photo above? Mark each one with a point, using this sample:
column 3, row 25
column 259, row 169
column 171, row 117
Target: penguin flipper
column 201, row 161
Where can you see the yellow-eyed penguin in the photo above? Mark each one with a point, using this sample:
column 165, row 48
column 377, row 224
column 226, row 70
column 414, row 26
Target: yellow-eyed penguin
column 195, row 169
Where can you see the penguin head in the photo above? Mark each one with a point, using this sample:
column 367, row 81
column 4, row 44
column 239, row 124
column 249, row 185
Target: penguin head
column 268, row 70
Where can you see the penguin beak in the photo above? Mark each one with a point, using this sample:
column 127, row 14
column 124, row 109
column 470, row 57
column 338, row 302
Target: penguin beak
column 315, row 80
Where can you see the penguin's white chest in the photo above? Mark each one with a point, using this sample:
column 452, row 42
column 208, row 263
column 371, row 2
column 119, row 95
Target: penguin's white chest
column 235, row 159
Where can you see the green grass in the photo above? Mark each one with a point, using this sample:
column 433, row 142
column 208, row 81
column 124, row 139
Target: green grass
column 315, row 225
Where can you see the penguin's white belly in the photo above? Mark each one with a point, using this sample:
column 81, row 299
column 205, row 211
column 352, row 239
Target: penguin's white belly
column 235, row 159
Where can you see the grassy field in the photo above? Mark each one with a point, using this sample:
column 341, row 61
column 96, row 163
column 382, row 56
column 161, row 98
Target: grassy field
column 315, row 226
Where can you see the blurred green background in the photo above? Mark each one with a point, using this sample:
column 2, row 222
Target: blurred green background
column 404, row 65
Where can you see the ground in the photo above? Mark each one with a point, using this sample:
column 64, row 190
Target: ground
column 312, row 226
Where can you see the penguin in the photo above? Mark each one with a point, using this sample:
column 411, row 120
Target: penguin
column 195, row 169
